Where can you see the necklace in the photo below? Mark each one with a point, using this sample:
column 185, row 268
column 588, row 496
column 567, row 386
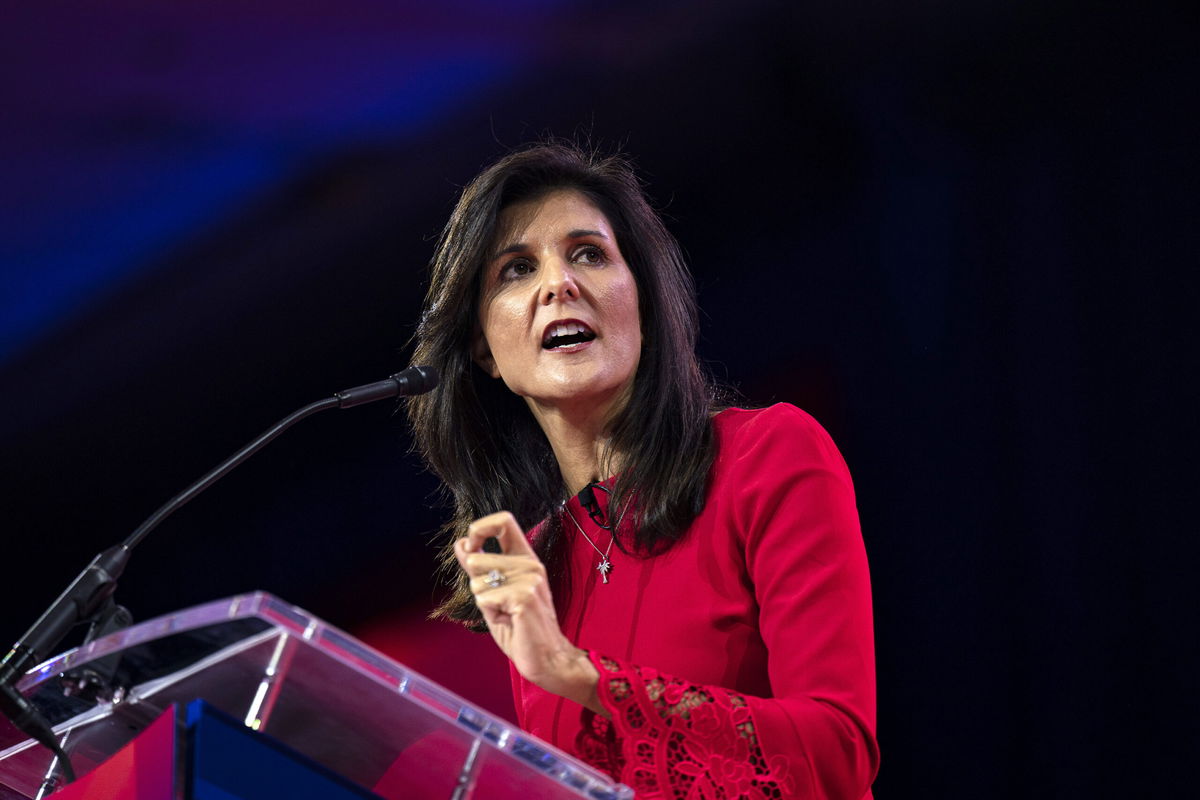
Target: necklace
column 605, row 566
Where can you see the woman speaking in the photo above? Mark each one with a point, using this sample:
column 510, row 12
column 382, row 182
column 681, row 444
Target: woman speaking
column 681, row 588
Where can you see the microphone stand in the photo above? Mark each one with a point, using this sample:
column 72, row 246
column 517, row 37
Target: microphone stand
column 90, row 594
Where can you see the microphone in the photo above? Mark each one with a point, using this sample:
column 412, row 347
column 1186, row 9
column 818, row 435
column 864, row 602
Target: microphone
column 92, row 590
column 587, row 499
column 406, row 383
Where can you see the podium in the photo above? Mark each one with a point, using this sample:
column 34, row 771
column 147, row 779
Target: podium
column 316, row 692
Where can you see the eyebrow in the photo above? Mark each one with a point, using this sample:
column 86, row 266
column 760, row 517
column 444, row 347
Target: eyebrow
column 578, row 233
column 583, row 232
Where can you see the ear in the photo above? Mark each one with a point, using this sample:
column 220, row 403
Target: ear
column 481, row 354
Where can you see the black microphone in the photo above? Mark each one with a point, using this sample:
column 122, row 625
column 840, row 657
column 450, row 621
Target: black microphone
column 587, row 499
column 89, row 593
column 414, row 380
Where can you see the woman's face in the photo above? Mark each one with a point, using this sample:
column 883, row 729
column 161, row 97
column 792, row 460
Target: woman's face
column 558, row 312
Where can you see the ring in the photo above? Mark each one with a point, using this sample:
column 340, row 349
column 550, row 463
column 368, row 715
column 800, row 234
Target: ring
column 495, row 578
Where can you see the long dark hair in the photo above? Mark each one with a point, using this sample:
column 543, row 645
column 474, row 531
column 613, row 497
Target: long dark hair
column 481, row 439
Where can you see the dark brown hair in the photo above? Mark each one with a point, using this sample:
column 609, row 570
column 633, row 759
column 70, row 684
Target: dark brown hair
column 481, row 439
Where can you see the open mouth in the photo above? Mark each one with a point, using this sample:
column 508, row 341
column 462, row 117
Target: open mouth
column 565, row 334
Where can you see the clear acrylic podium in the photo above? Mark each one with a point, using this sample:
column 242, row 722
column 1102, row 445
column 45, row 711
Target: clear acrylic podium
column 286, row 673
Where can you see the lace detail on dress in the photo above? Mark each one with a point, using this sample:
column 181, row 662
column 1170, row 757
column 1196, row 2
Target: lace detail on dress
column 670, row 738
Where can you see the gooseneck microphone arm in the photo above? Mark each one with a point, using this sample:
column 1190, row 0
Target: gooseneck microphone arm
column 223, row 469
column 88, row 593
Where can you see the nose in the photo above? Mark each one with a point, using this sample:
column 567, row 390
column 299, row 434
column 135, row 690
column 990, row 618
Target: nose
column 558, row 281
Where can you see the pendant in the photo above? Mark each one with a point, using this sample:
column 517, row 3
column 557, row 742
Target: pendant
column 604, row 566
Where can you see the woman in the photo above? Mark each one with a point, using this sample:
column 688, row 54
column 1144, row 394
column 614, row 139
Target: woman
column 691, row 608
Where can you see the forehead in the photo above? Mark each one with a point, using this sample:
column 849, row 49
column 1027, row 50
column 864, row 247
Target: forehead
column 551, row 215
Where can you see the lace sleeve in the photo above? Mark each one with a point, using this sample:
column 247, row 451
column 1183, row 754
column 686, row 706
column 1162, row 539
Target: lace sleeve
column 669, row 738
column 785, row 501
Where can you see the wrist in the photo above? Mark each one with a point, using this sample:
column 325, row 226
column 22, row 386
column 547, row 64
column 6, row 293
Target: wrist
column 586, row 683
column 576, row 679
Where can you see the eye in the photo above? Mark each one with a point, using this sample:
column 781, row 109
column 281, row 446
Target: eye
column 589, row 254
column 517, row 268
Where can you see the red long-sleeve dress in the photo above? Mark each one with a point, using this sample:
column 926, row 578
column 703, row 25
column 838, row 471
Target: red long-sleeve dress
column 741, row 661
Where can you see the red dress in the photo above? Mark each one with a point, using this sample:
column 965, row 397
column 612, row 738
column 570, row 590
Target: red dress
column 741, row 661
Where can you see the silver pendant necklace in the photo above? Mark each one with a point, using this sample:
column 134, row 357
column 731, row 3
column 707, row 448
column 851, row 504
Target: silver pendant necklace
column 605, row 566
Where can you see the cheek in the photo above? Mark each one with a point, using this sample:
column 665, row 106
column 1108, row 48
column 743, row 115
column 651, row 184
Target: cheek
column 500, row 326
column 626, row 299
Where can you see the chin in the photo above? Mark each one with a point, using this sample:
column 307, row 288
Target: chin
column 575, row 390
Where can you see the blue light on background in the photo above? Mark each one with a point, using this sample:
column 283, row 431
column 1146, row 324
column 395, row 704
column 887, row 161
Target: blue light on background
column 139, row 142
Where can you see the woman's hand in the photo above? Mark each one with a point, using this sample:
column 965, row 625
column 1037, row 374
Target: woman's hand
column 513, row 593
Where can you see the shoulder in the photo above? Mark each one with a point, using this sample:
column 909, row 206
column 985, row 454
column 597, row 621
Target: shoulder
column 779, row 472
column 782, row 427
column 778, row 446
column 779, row 415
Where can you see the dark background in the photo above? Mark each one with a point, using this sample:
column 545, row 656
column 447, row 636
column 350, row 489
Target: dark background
column 962, row 235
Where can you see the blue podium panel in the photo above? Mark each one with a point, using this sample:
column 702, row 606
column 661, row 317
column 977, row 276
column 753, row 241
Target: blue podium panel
column 228, row 761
